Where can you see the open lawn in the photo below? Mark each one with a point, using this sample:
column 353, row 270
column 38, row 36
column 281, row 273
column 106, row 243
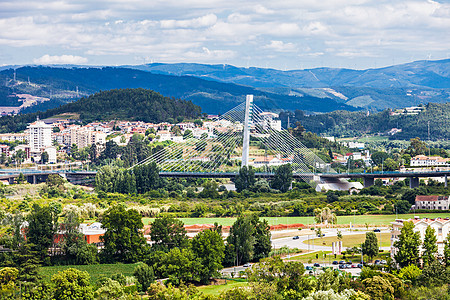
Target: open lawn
column 217, row 289
column 329, row 258
column 354, row 240
column 95, row 271
column 372, row 220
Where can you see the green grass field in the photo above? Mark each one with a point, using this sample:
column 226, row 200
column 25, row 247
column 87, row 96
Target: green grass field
column 217, row 289
column 372, row 220
column 95, row 271
column 353, row 240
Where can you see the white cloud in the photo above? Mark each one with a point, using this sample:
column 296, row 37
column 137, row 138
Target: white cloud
column 280, row 46
column 62, row 59
column 204, row 21
column 173, row 30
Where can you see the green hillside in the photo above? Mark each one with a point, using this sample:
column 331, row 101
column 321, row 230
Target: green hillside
column 123, row 104
column 344, row 123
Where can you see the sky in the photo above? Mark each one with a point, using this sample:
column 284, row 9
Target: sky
column 286, row 35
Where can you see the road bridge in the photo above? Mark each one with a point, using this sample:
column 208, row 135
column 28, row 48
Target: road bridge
column 33, row 176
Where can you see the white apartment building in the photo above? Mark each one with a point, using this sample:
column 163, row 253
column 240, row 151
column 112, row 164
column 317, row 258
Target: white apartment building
column 428, row 161
column 40, row 135
column 441, row 227
column 432, row 202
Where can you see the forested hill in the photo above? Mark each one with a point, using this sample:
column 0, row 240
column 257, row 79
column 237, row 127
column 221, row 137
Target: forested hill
column 344, row 123
column 118, row 104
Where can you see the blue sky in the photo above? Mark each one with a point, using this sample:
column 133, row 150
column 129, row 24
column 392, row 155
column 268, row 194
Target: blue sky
column 288, row 34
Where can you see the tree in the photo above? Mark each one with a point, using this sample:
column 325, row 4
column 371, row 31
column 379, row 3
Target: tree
column 379, row 157
column 447, row 251
column 324, row 215
column 411, row 273
column 407, row 245
column 242, row 237
column 21, row 178
column 8, row 278
column 370, row 245
column 263, row 245
column 390, row 165
column 378, row 288
column 167, row 232
column 44, row 157
column 429, row 246
column 339, row 235
column 75, row 247
column 402, row 206
column 72, row 284
column 245, row 179
column 417, row 147
column 110, row 289
column 41, row 229
column 283, row 178
column 187, row 134
column 123, row 239
column 180, row 265
column 144, row 275
column 209, row 249
column 55, row 181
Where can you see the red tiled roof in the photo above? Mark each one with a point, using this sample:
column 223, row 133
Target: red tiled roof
column 428, row 198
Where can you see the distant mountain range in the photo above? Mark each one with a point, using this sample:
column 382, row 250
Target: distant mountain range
column 217, row 88
column 390, row 87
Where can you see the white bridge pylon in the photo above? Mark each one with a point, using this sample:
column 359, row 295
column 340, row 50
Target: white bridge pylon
column 245, row 135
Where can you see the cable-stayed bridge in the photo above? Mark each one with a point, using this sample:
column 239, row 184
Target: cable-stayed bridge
column 243, row 136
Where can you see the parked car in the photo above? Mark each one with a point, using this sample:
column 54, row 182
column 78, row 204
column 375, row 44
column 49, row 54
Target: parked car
column 317, row 265
column 341, row 266
column 376, row 230
column 308, row 268
column 383, row 262
column 247, row 265
column 342, row 262
column 377, row 262
column 296, row 237
column 349, row 262
column 335, row 262
column 360, row 266
column 354, row 266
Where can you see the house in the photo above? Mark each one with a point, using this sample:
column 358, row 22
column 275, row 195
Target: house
column 432, row 202
column 440, row 225
column 428, row 161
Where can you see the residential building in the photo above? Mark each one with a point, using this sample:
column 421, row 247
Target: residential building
column 432, row 202
column 40, row 135
column 428, row 161
column 11, row 137
column 440, row 225
column 4, row 149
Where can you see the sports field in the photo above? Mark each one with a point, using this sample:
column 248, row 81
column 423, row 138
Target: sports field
column 384, row 240
column 371, row 220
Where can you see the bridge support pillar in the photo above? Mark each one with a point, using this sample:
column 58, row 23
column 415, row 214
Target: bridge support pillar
column 413, row 182
column 11, row 180
column 34, row 179
column 445, row 180
column 368, row 181
column 247, row 122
